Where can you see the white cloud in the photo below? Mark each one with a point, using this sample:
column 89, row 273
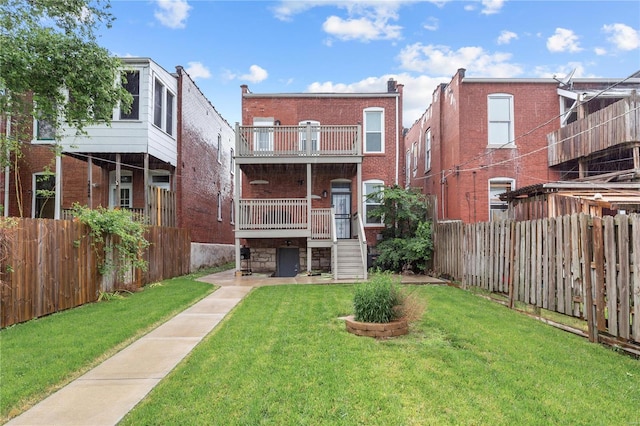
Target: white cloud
column 416, row 94
column 563, row 40
column 622, row 36
column 363, row 29
column 431, row 24
column 172, row 13
column 561, row 71
column 505, row 37
column 197, row 70
column 441, row 60
column 491, row 7
column 256, row 74
column 600, row 51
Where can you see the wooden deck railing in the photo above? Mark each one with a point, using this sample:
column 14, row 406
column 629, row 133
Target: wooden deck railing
column 281, row 213
column 613, row 125
column 283, row 141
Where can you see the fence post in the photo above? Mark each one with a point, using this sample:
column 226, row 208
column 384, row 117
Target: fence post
column 589, row 307
column 512, row 251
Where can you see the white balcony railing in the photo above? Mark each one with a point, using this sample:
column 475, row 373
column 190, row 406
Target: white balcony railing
column 269, row 214
column 321, row 224
column 307, row 140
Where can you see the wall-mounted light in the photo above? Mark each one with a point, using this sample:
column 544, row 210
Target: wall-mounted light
column 288, row 243
column 277, row 122
column 324, row 193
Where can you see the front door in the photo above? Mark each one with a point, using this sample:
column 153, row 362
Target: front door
column 288, row 263
column 341, row 202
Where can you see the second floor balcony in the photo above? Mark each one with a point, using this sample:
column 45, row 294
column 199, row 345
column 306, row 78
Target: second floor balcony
column 615, row 125
column 308, row 143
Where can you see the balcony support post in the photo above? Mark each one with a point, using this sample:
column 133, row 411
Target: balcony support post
column 309, row 227
column 145, row 211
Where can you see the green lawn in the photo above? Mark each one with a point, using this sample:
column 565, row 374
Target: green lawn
column 284, row 357
column 40, row 356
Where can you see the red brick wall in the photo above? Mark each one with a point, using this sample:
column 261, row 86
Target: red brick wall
column 461, row 151
column 200, row 176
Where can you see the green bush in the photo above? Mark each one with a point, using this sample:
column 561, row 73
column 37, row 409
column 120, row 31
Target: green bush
column 377, row 300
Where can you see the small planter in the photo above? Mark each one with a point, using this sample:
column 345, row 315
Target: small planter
column 378, row 330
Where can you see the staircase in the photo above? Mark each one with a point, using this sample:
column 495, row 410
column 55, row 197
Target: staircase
column 349, row 260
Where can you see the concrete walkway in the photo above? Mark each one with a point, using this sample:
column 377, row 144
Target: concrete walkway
column 104, row 395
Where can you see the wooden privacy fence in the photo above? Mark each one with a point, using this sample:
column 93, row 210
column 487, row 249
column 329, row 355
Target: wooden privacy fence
column 578, row 265
column 52, row 265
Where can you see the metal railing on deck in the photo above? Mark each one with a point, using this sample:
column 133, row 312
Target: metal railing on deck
column 280, row 213
column 306, row 140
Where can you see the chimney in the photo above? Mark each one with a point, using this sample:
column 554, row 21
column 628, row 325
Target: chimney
column 391, row 85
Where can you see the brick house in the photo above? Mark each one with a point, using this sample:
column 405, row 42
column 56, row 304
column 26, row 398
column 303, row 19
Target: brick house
column 483, row 137
column 305, row 163
column 168, row 160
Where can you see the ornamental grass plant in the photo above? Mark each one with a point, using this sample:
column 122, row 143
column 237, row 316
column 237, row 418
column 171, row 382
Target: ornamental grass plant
column 382, row 300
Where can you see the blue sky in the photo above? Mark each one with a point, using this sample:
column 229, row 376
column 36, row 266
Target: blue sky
column 356, row 46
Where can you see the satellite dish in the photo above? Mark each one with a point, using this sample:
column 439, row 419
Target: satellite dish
column 566, row 80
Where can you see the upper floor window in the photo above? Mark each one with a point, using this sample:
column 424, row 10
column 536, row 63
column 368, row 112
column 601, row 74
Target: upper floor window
column 372, row 199
column 500, row 116
column 131, row 84
column 309, row 130
column 45, row 130
column 219, row 207
column 407, row 178
column 373, row 130
column 163, row 107
column 233, row 162
column 232, row 213
column 414, row 149
column 427, row 150
column 158, row 102
column 219, row 148
column 497, row 207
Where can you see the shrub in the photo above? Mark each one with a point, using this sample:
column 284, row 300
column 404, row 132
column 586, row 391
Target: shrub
column 376, row 300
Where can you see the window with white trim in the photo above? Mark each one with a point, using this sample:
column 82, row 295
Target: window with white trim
column 219, row 148
column 168, row 124
column 407, row 171
column 44, row 195
column 131, row 83
column 263, row 134
column 45, row 130
column 500, row 120
column 374, row 130
column 219, row 207
column 161, row 179
column 232, row 215
column 125, row 186
column 427, row 150
column 414, row 150
column 372, row 199
column 497, row 207
column 233, row 162
column 163, row 107
column 158, row 102
column 309, row 129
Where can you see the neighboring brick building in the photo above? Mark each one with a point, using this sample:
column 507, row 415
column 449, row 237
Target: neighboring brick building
column 298, row 155
column 169, row 159
column 479, row 138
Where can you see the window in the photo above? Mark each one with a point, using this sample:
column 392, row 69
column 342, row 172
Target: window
column 407, row 170
column 500, row 115
column 263, row 134
column 372, row 199
column 427, row 150
column 497, row 207
column 45, row 130
column 373, row 129
column 161, row 179
column 219, row 148
column 168, row 125
column 309, row 130
column 44, row 194
column 414, row 150
column 232, row 215
column 131, row 84
column 158, row 101
column 219, row 207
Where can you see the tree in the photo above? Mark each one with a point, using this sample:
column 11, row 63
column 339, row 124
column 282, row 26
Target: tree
column 406, row 239
column 52, row 69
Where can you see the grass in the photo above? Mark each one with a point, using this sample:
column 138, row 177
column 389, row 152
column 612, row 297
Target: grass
column 284, row 357
column 39, row 356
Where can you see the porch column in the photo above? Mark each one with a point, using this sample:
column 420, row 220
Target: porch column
column 359, row 193
column 145, row 210
column 237, row 193
column 309, row 225
column 116, row 198
column 238, row 267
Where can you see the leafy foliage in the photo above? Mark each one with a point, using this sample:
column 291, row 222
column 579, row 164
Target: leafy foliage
column 406, row 239
column 129, row 242
column 377, row 299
